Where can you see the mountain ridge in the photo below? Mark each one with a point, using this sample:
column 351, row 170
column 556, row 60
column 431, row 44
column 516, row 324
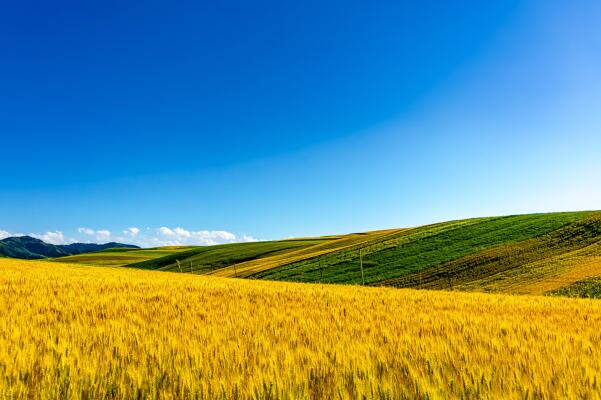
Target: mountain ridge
column 27, row 247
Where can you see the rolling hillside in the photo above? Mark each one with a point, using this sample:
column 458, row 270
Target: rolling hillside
column 534, row 253
column 118, row 257
column 205, row 259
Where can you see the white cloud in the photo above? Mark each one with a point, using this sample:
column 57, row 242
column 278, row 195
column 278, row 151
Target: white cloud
column 132, row 232
column 100, row 235
column 248, row 238
column 103, row 234
column 163, row 230
column 149, row 237
column 180, row 232
column 218, row 235
column 86, row 231
column 52, row 237
column 178, row 236
column 56, row 237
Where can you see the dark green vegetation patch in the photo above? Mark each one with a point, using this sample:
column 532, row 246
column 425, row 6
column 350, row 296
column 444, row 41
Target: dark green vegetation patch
column 590, row 289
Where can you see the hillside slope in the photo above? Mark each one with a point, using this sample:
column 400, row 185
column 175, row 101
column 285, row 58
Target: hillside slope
column 207, row 259
column 118, row 257
column 534, row 253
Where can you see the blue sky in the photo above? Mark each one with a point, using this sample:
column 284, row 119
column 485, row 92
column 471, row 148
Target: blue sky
column 210, row 122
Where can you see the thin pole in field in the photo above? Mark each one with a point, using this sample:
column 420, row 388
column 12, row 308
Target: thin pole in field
column 179, row 266
column 361, row 264
column 320, row 273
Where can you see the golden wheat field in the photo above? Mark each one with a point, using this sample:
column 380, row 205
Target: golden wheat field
column 89, row 332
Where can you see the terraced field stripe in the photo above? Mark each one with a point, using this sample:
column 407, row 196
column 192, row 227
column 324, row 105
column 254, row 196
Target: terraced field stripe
column 253, row 268
column 544, row 275
column 422, row 248
column 120, row 257
column 343, row 266
column 210, row 258
column 499, row 259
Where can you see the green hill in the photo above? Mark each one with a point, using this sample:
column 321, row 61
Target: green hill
column 555, row 253
column 207, row 259
column 121, row 256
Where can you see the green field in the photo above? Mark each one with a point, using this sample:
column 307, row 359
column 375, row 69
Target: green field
column 420, row 249
column 206, row 259
column 554, row 253
column 121, row 257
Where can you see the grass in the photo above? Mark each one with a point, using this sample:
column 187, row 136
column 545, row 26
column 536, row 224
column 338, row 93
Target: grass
column 422, row 249
column 496, row 261
column 545, row 275
column 590, row 288
column 84, row 332
column 209, row 258
column 120, row 257
column 334, row 245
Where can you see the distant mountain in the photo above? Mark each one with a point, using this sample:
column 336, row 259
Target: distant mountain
column 31, row 248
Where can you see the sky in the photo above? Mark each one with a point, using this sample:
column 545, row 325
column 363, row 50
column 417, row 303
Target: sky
column 159, row 123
